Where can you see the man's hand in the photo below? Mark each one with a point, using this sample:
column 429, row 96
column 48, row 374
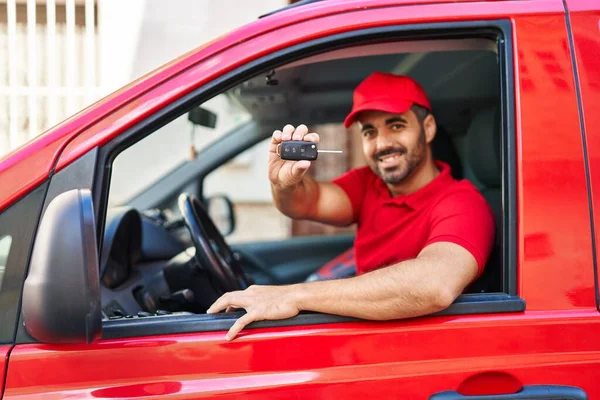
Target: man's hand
column 288, row 174
column 260, row 303
column 299, row 196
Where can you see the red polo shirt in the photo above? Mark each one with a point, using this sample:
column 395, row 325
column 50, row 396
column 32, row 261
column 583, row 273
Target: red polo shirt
column 394, row 229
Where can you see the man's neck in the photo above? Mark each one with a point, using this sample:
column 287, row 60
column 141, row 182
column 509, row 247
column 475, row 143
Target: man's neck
column 420, row 177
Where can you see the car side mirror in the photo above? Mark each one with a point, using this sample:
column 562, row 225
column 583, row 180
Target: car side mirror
column 61, row 297
column 220, row 210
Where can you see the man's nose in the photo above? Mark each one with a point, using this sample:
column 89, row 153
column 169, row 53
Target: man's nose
column 383, row 143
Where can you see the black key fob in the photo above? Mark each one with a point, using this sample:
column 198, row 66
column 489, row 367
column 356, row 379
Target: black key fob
column 297, row 150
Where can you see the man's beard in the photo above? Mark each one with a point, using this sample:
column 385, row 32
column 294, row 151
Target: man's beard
column 409, row 161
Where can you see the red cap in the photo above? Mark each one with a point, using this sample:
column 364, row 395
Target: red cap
column 387, row 92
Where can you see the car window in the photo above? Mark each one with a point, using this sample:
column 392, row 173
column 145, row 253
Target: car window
column 264, row 240
column 176, row 143
column 5, row 243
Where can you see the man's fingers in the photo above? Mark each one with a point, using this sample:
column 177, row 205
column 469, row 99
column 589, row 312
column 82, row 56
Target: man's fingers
column 276, row 137
column 288, row 130
column 222, row 303
column 291, row 133
column 275, row 141
column 299, row 168
column 239, row 325
column 312, row 137
column 300, row 131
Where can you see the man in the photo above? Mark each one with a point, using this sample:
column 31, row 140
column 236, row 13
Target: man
column 422, row 236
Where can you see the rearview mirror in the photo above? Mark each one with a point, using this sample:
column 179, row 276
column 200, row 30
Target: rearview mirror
column 61, row 297
column 202, row 117
column 220, row 210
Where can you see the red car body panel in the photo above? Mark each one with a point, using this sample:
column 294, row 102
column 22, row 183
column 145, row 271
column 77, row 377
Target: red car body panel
column 27, row 167
column 421, row 357
column 544, row 76
column 553, row 342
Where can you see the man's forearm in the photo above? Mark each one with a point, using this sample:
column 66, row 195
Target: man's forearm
column 408, row 289
column 411, row 288
column 297, row 202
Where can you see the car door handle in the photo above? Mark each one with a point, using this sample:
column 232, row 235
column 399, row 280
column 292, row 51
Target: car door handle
column 533, row 392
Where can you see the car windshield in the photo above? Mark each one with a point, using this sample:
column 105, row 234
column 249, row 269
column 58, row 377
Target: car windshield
column 139, row 167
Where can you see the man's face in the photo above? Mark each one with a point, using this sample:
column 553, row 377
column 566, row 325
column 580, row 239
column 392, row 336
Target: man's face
column 394, row 144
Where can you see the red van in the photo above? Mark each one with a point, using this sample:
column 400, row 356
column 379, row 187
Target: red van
column 107, row 299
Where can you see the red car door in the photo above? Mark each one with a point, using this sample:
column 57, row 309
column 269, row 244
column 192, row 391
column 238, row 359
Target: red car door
column 490, row 351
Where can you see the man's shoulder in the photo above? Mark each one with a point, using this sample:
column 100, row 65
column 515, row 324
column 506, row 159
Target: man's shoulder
column 460, row 194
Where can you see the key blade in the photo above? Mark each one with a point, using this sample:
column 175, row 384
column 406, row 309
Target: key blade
column 330, row 151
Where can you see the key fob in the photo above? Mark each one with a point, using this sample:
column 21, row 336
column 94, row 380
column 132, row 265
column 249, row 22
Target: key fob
column 297, row 150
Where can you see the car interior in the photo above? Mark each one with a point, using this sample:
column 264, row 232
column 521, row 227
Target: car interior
column 162, row 252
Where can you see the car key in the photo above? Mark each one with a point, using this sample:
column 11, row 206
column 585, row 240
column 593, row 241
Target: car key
column 297, row 150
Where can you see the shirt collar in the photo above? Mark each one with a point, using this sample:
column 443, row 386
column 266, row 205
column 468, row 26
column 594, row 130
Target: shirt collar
column 420, row 197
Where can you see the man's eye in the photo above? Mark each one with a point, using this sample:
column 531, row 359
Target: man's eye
column 368, row 134
column 397, row 126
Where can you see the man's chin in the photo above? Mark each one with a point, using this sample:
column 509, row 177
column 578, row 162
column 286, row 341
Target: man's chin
column 393, row 178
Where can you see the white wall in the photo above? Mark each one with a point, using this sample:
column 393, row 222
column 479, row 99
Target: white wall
column 119, row 27
column 140, row 35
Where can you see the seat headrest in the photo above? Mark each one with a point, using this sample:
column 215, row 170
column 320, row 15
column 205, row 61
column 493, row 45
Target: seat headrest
column 483, row 147
column 443, row 149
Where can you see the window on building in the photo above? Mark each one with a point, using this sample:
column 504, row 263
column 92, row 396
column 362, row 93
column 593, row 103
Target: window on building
column 49, row 71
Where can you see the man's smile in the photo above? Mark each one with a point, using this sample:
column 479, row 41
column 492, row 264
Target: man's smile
column 389, row 160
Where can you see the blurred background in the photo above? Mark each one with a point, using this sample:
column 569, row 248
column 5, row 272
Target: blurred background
column 59, row 56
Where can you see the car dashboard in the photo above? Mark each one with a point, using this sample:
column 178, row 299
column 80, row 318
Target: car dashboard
column 136, row 251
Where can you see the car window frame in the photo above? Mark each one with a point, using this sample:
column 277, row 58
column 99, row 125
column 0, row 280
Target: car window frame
column 501, row 30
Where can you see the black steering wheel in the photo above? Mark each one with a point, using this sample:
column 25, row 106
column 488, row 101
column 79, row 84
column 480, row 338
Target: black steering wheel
column 212, row 251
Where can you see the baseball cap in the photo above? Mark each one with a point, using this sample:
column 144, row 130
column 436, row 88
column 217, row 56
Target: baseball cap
column 386, row 92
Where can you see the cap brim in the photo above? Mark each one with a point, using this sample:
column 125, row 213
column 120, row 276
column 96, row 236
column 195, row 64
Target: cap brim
column 397, row 107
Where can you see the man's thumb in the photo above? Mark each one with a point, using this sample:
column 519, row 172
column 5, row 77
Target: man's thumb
column 299, row 168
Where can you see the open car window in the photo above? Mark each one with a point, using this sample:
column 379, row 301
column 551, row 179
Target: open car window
column 317, row 91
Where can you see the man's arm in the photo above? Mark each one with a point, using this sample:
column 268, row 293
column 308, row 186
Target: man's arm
column 298, row 196
column 427, row 284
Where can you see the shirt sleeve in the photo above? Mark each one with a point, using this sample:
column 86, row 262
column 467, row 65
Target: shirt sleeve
column 354, row 184
column 466, row 219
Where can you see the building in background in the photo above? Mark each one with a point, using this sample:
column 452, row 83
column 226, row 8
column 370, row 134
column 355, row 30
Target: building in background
column 59, row 56
column 49, row 65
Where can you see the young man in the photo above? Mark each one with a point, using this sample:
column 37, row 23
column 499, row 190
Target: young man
column 422, row 236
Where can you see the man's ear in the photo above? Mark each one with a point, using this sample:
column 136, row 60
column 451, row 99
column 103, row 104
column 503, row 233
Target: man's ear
column 430, row 128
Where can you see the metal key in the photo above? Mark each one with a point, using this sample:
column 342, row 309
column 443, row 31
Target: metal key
column 297, row 150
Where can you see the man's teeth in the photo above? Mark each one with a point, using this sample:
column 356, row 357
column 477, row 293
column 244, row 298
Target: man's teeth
column 390, row 157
